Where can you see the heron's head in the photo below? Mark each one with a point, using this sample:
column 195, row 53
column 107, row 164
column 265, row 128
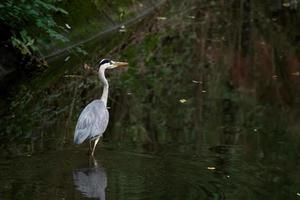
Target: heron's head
column 110, row 64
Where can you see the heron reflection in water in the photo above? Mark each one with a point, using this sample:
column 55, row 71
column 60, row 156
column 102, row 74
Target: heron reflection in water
column 94, row 118
column 91, row 181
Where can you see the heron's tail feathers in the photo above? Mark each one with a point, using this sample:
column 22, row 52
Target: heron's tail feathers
column 80, row 136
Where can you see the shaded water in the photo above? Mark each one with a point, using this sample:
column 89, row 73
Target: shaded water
column 208, row 109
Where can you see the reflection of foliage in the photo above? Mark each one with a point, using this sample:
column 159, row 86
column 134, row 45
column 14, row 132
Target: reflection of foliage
column 23, row 18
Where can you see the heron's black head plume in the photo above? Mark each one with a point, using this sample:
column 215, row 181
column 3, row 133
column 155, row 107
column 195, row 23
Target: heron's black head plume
column 103, row 61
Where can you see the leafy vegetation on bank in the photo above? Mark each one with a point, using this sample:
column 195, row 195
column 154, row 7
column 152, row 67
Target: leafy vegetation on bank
column 186, row 82
column 29, row 21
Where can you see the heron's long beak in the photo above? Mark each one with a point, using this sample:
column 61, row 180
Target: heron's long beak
column 120, row 64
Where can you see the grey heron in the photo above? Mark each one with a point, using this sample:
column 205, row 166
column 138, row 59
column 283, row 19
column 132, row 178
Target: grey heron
column 93, row 120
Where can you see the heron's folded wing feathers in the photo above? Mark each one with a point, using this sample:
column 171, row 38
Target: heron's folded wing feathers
column 92, row 121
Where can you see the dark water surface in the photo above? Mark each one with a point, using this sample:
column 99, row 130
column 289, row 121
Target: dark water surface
column 208, row 108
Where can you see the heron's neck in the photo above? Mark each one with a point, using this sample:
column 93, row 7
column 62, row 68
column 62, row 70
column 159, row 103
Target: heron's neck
column 105, row 85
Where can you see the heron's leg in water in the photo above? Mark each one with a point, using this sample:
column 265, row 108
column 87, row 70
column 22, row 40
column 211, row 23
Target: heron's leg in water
column 95, row 143
column 90, row 145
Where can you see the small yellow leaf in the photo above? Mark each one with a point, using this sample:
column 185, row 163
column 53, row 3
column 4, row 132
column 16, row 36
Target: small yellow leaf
column 68, row 26
column 191, row 17
column 211, row 168
column 86, row 66
column 296, row 74
column 197, row 82
column 67, row 58
column 161, row 18
column 122, row 29
column 182, row 100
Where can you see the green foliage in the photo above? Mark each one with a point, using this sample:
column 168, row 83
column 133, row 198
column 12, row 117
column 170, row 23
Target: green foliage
column 30, row 20
column 25, row 43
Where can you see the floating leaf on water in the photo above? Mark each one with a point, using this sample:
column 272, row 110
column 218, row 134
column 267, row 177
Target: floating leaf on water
column 182, row 100
column 67, row 58
column 203, row 91
column 287, row 4
column 296, row 74
column 274, row 77
column 161, row 18
column 68, row 26
column 298, row 194
column 211, row 168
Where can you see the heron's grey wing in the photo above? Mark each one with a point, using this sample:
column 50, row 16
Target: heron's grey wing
column 92, row 121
